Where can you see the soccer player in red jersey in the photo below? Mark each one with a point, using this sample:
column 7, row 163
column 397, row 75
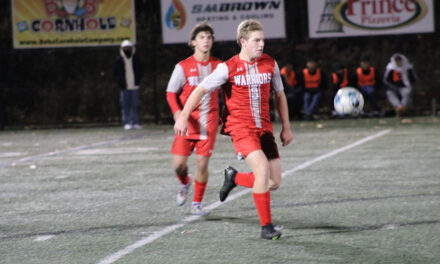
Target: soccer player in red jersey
column 247, row 80
column 203, row 118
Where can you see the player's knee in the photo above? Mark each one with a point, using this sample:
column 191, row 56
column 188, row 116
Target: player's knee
column 273, row 185
column 181, row 169
column 264, row 168
column 202, row 164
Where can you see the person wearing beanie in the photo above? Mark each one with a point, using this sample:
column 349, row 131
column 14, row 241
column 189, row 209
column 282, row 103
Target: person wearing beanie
column 128, row 73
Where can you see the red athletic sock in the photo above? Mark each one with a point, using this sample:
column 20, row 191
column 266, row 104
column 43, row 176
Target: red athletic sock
column 262, row 203
column 245, row 179
column 199, row 190
column 183, row 179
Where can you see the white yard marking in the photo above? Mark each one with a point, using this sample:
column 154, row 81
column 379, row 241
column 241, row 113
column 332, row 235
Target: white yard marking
column 146, row 240
column 112, row 151
column 75, row 149
column 11, row 154
column 43, row 238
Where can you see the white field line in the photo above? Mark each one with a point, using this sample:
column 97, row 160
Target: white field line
column 146, row 240
column 65, row 151
column 43, row 238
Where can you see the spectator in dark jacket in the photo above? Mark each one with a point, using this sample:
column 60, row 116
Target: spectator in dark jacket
column 128, row 72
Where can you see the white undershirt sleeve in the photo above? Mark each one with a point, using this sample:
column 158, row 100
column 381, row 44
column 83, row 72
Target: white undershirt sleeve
column 177, row 80
column 277, row 84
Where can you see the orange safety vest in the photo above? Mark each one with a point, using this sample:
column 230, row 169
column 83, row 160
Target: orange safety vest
column 364, row 80
column 290, row 75
column 344, row 82
column 396, row 76
column 312, row 81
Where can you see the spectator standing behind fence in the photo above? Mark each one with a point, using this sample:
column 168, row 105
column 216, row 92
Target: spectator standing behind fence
column 398, row 77
column 339, row 79
column 313, row 83
column 293, row 93
column 128, row 73
column 366, row 78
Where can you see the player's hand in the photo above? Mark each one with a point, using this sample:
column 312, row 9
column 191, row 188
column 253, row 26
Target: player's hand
column 286, row 136
column 181, row 126
column 176, row 115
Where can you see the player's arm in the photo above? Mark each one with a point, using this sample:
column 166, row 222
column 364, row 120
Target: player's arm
column 209, row 84
column 181, row 125
column 177, row 81
column 286, row 134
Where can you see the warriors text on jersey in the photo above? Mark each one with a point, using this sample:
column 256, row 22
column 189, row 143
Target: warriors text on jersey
column 186, row 76
column 246, row 91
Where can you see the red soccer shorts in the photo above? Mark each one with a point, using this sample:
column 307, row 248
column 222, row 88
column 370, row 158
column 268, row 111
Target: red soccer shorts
column 183, row 146
column 247, row 141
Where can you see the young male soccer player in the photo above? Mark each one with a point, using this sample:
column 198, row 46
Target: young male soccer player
column 248, row 78
column 203, row 118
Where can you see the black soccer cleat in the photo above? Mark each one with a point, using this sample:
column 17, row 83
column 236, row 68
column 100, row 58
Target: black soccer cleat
column 270, row 233
column 229, row 183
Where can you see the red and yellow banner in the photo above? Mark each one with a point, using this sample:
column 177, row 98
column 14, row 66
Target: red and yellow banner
column 72, row 23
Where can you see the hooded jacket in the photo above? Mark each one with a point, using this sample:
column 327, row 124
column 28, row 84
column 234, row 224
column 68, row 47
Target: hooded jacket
column 120, row 71
column 397, row 77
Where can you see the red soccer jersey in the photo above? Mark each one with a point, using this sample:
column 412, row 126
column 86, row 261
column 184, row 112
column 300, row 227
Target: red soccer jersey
column 186, row 76
column 246, row 91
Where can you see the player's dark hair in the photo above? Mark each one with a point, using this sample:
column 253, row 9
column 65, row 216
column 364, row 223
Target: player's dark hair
column 201, row 27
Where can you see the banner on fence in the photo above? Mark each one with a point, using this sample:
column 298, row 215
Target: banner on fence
column 345, row 18
column 180, row 16
column 72, row 23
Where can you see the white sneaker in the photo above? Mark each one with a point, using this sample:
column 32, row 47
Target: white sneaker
column 197, row 209
column 127, row 127
column 183, row 193
column 137, row 126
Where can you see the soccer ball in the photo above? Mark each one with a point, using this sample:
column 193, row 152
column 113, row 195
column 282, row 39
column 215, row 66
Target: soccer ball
column 348, row 101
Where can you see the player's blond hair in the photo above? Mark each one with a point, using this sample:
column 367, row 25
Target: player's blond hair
column 246, row 27
column 200, row 27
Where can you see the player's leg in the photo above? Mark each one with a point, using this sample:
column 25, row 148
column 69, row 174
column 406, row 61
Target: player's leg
column 244, row 143
column 181, row 150
column 181, row 170
column 200, row 182
column 270, row 149
column 260, row 167
column 203, row 149
column 275, row 174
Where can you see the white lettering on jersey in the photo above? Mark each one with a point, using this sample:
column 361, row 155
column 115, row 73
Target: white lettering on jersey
column 252, row 79
column 193, row 80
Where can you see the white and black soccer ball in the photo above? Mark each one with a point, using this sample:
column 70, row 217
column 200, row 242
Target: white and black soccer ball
column 348, row 102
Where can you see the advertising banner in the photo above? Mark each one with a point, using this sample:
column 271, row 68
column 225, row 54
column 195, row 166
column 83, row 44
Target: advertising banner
column 72, row 23
column 345, row 18
column 180, row 16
